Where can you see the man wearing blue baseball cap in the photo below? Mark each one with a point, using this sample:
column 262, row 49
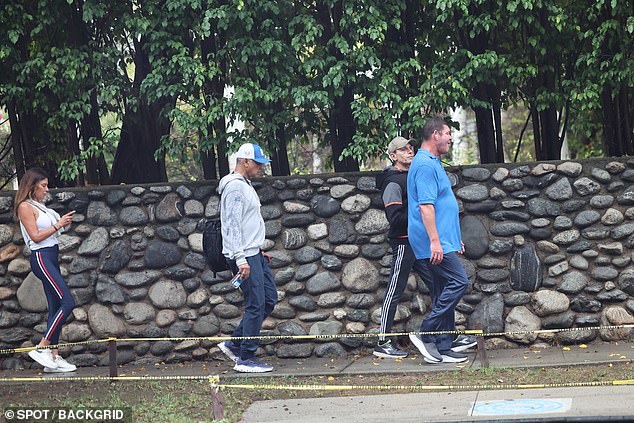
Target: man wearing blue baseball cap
column 242, row 237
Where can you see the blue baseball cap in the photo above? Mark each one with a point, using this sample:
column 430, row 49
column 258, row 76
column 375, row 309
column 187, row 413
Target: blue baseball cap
column 253, row 152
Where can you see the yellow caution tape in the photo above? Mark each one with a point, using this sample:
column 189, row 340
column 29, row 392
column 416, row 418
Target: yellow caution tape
column 69, row 344
column 476, row 332
column 420, row 387
column 105, row 378
column 214, row 382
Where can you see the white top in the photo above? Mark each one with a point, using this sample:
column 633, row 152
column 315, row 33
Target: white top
column 45, row 219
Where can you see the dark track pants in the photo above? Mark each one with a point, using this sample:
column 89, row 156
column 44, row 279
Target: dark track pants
column 260, row 297
column 403, row 261
column 45, row 265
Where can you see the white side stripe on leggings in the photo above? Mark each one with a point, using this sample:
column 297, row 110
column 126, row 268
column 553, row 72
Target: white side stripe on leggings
column 400, row 253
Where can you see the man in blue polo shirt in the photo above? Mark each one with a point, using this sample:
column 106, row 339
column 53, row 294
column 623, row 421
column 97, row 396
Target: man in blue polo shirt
column 434, row 234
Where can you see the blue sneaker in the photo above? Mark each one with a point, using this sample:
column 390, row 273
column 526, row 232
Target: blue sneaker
column 230, row 350
column 251, row 365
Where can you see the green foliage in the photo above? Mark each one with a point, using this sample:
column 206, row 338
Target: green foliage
column 288, row 70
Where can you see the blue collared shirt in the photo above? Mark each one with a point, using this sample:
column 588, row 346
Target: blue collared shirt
column 427, row 183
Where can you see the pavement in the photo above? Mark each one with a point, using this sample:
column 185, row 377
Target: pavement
column 597, row 403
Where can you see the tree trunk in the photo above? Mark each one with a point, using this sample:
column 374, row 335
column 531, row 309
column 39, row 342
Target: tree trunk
column 213, row 93
column 207, row 161
column 549, row 128
column 17, row 140
column 279, row 154
column 141, row 132
column 497, row 118
column 96, row 168
column 72, row 145
column 345, row 129
column 487, row 145
column 537, row 138
column 617, row 122
column 341, row 124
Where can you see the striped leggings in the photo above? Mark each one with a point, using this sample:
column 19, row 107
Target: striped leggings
column 45, row 265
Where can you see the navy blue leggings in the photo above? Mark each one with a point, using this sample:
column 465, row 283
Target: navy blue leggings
column 45, row 265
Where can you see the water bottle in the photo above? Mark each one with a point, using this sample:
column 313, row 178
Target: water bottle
column 236, row 280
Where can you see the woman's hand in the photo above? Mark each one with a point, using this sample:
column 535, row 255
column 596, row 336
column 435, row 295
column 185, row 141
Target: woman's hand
column 65, row 220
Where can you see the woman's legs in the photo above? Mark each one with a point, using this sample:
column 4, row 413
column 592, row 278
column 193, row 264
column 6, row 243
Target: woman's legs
column 45, row 265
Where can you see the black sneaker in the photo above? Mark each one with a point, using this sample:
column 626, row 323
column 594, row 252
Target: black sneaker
column 427, row 349
column 463, row 342
column 453, row 357
column 387, row 350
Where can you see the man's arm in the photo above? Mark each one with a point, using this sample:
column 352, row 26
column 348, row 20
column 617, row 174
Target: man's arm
column 231, row 215
column 395, row 213
column 428, row 214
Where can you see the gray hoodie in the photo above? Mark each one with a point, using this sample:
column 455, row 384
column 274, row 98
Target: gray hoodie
column 242, row 223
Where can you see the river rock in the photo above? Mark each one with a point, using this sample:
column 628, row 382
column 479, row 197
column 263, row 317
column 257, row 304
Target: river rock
column 549, row 302
column 117, row 257
column 169, row 209
column 356, row 203
column 167, row 294
column 474, row 236
column 573, row 283
column 372, row 222
column 360, row 275
column 30, row 294
column 104, row 323
column 526, row 269
column 521, row 319
column 322, row 282
column 138, row 313
column 488, row 315
column 560, row 190
column 341, row 230
column 159, row 255
column 616, row 316
column 325, row 206
column 99, row 214
column 293, row 238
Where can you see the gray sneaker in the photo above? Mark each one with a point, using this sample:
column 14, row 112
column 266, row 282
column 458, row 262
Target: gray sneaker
column 453, row 357
column 463, row 343
column 427, row 349
column 387, row 350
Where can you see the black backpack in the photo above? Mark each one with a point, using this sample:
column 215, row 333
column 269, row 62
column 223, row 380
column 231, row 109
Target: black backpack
column 212, row 246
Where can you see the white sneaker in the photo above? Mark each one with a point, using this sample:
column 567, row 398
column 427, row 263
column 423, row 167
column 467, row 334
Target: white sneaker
column 63, row 366
column 44, row 357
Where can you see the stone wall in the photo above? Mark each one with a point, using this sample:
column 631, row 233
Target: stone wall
column 548, row 245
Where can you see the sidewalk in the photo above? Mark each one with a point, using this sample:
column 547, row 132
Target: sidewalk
column 602, row 352
column 599, row 403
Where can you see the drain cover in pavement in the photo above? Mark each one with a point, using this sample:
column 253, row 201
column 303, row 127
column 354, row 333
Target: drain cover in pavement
column 521, row 406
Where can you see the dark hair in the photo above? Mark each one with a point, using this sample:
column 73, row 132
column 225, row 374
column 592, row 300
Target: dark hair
column 433, row 124
column 27, row 185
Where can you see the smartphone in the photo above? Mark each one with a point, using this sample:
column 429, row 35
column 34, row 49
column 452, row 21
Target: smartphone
column 236, row 280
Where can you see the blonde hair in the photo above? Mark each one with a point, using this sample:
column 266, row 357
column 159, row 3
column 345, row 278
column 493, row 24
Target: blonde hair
column 27, row 185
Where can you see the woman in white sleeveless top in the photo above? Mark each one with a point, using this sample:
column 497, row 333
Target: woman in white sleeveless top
column 40, row 227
